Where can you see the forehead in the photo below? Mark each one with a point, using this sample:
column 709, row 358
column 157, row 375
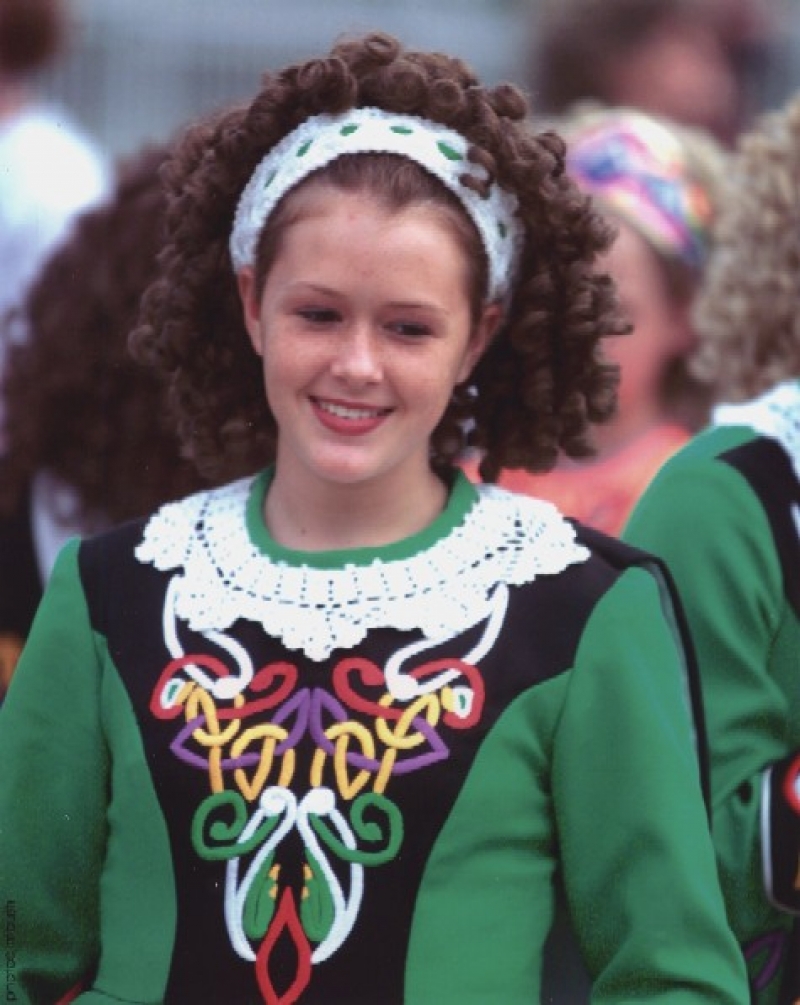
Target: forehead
column 319, row 201
column 322, row 188
column 359, row 248
column 321, row 195
column 324, row 217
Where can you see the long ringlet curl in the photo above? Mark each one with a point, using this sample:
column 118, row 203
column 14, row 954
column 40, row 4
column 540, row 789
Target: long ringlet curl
column 542, row 381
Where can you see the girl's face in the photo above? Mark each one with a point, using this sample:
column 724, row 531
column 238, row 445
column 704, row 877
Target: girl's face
column 364, row 328
column 661, row 330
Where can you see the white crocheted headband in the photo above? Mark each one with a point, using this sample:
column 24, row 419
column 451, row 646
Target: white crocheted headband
column 323, row 138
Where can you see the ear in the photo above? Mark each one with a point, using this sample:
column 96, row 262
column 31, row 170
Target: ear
column 481, row 338
column 251, row 308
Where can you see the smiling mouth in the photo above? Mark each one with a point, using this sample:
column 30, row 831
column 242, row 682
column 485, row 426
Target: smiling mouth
column 350, row 412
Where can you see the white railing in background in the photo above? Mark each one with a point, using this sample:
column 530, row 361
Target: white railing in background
column 137, row 71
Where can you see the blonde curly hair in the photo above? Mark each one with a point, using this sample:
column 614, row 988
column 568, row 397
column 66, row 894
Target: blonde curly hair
column 747, row 313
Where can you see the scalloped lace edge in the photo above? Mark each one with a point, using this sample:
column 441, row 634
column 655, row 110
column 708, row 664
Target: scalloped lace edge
column 774, row 414
column 222, row 576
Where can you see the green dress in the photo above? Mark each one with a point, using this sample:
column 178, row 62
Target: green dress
column 236, row 773
column 725, row 515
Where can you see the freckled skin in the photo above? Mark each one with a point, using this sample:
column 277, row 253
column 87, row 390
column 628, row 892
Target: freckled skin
column 364, row 328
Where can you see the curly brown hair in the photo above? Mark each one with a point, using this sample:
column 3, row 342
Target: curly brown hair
column 32, row 32
column 75, row 402
column 747, row 311
column 543, row 379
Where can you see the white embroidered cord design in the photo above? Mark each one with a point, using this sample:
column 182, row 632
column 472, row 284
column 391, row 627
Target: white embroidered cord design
column 776, row 414
column 221, row 576
column 443, row 152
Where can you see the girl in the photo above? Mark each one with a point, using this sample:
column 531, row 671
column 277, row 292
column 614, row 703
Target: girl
column 657, row 184
column 724, row 513
column 350, row 729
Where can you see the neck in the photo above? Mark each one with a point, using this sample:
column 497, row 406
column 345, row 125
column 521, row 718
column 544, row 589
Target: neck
column 334, row 517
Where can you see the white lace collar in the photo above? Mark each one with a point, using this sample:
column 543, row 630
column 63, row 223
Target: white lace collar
column 775, row 414
column 439, row 582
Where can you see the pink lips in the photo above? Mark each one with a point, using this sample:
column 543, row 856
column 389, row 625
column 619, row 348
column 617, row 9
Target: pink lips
column 348, row 418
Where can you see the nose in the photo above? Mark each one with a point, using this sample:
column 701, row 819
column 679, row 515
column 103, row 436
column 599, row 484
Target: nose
column 358, row 355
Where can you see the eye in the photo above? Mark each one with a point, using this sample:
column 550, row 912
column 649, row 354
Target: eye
column 319, row 316
column 411, row 330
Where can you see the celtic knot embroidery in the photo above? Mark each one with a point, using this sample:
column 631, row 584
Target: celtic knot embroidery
column 303, row 773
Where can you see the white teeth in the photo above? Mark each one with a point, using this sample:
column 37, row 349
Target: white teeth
column 343, row 412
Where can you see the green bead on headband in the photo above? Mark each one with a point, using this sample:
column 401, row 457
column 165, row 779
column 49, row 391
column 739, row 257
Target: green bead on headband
column 323, row 138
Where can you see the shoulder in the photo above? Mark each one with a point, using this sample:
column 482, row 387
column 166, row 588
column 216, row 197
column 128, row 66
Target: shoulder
column 750, row 455
column 612, row 553
column 173, row 523
column 107, row 561
column 565, row 564
column 725, row 502
column 698, row 482
column 162, row 540
column 553, row 529
column 218, row 514
column 710, row 445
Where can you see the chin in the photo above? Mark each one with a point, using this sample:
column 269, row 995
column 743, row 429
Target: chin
column 345, row 471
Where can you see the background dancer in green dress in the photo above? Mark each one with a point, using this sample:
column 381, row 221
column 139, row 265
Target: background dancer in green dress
column 725, row 514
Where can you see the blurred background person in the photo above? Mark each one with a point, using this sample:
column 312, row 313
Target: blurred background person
column 701, row 62
column 86, row 441
column 725, row 514
column 49, row 170
column 657, row 184
column 135, row 72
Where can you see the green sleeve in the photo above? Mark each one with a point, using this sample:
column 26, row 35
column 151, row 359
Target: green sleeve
column 704, row 520
column 52, row 795
column 637, row 858
column 588, row 782
column 84, row 857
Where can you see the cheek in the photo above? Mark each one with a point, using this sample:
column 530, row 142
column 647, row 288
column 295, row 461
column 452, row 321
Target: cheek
column 287, row 359
column 282, row 374
column 637, row 361
column 432, row 387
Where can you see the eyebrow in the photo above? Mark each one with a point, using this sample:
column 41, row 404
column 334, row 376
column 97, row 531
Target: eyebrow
column 416, row 305
column 420, row 305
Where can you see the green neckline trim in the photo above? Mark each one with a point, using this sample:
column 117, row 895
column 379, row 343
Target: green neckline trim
column 462, row 498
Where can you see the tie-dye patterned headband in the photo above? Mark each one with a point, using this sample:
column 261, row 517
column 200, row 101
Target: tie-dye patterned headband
column 638, row 169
